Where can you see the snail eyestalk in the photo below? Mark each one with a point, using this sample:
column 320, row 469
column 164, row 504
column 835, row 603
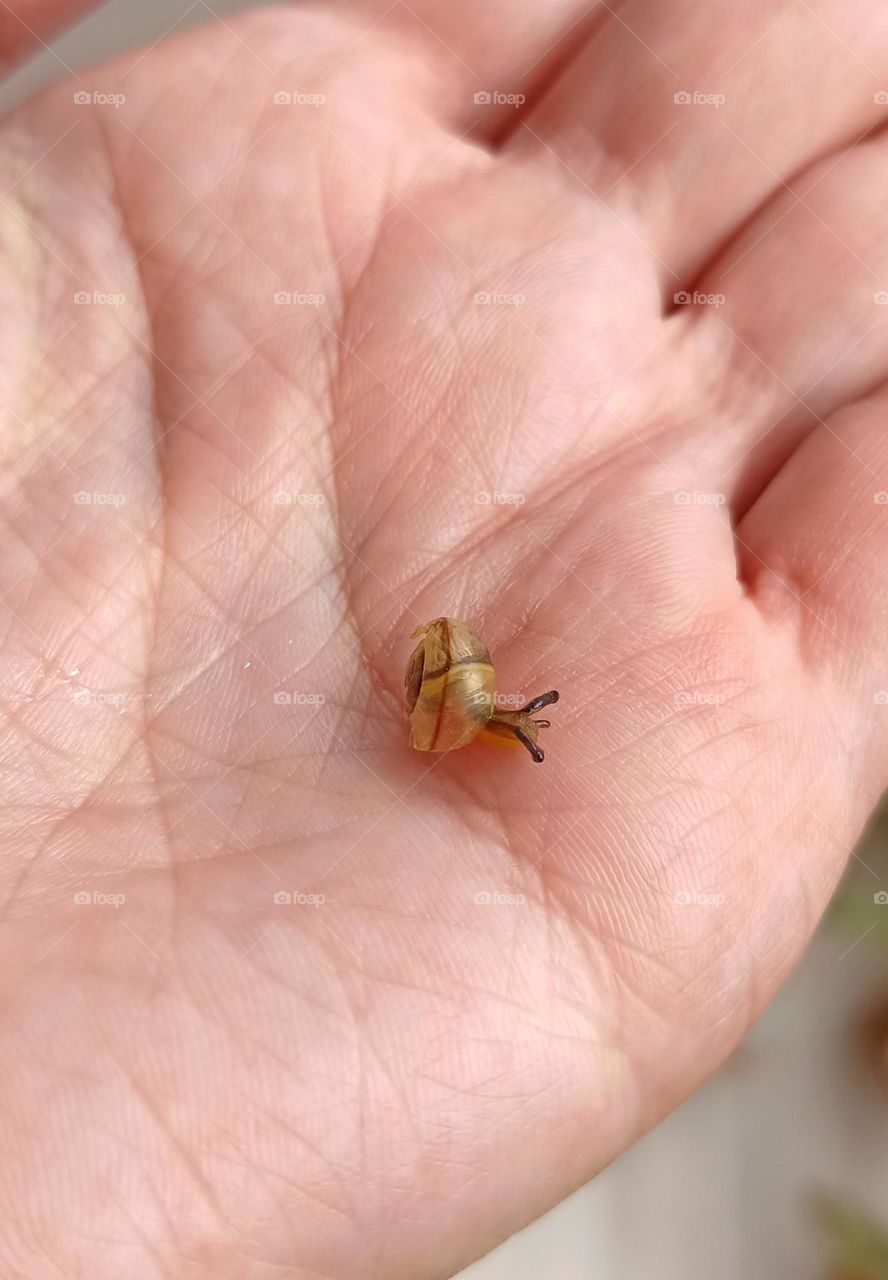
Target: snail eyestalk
column 522, row 725
column 537, row 704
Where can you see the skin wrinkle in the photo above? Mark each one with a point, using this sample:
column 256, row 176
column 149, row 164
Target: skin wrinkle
column 624, row 882
column 152, row 1249
column 475, row 543
column 72, row 598
column 14, row 719
column 334, row 384
column 788, row 185
column 410, row 479
column 787, row 585
column 62, row 416
column 269, row 544
column 182, row 570
column 163, row 540
column 281, row 1184
column 42, row 849
column 402, row 481
column 784, row 457
column 336, row 1174
column 444, row 393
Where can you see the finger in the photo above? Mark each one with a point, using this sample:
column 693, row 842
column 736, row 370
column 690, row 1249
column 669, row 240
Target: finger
column 769, row 92
column 488, row 57
column 25, row 24
column 800, row 319
column 813, row 550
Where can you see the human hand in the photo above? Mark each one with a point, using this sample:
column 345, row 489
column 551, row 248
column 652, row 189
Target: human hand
column 494, row 975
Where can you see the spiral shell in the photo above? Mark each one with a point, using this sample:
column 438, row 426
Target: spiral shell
column 451, row 686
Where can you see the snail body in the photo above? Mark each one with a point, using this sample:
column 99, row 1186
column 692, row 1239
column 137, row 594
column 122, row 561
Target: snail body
column 451, row 693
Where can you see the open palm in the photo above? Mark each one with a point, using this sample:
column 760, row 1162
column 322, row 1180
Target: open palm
column 315, row 331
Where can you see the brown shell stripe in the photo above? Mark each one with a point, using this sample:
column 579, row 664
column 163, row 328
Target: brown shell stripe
column 442, row 671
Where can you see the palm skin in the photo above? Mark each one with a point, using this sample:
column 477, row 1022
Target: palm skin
column 493, row 975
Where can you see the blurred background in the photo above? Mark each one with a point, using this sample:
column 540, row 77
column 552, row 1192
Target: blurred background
column 778, row 1168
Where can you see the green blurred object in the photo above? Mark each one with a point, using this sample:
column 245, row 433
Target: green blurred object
column 856, row 912
column 860, row 906
column 859, row 1244
column 860, row 910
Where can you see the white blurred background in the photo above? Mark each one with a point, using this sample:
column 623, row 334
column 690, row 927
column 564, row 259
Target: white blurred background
column 722, row 1190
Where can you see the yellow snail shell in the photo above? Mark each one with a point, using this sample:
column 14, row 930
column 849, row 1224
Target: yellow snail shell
column 451, row 693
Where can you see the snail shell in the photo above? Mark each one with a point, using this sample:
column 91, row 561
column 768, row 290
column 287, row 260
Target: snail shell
column 451, row 686
column 451, row 693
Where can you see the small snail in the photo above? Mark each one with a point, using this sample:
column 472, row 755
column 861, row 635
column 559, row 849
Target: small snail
column 451, row 693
